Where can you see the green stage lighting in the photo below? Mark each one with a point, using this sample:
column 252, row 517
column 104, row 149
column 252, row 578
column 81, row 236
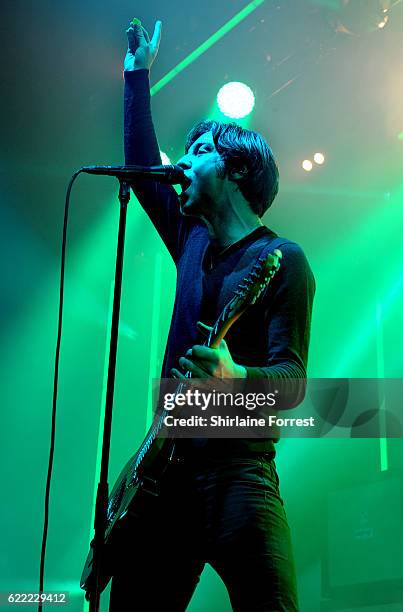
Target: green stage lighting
column 227, row 27
column 235, row 100
column 165, row 159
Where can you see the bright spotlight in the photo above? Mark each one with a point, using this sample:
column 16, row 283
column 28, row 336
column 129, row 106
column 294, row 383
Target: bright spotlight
column 319, row 158
column 165, row 159
column 235, row 100
column 307, row 165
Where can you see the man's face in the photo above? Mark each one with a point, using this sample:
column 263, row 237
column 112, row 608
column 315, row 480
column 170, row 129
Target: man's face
column 201, row 165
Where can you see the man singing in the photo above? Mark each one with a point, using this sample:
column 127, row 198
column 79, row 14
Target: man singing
column 219, row 501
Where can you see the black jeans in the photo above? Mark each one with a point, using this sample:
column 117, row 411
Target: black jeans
column 228, row 513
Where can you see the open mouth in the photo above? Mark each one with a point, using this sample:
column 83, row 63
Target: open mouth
column 185, row 184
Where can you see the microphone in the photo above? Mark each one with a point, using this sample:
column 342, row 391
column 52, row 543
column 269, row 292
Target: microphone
column 169, row 174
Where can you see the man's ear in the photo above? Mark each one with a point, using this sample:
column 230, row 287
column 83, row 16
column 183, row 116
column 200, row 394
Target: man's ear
column 235, row 174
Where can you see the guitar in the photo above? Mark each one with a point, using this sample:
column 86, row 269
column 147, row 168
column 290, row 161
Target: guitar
column 140, row 477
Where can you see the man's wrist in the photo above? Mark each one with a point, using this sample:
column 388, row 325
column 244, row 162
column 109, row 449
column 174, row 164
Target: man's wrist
column 240, row 371
column 134, row 69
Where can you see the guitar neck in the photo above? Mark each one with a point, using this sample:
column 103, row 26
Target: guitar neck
column 245, row 295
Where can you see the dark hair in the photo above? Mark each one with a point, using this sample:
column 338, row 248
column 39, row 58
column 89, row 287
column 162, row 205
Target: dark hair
column 240, row 148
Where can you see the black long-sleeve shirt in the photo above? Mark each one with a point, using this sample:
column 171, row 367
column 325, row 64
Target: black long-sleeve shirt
column 271, row 339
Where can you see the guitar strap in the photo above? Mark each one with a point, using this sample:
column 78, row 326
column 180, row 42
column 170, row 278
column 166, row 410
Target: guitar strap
column 276, row 243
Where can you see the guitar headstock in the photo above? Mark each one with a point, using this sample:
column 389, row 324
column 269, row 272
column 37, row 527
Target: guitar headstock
column 246, row 294
column 253, row 285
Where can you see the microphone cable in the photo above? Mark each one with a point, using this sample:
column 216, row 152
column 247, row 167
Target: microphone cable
column 55, row 384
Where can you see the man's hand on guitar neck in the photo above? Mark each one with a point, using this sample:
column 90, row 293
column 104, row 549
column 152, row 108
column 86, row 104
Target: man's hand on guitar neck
column 204, row 362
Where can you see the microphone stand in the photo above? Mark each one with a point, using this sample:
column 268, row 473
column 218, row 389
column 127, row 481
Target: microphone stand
column 103, row 487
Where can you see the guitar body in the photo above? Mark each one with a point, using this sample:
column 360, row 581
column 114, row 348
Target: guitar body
column 136, row 485
column 138, row 482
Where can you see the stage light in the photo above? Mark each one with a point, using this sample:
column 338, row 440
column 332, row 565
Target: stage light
column 359, row 17
column 235, row 100
column 383, row 23
column 400, row 136
column 307, row 165
column 319, row 158
column 165, row 159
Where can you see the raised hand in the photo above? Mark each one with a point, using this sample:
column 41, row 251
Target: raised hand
column 141, row 51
